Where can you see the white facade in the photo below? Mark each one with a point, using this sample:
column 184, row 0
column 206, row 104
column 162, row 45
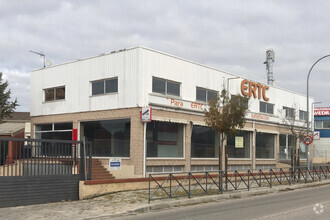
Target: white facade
column 135, row 69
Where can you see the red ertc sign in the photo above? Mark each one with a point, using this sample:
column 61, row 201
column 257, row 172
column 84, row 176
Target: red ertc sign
column 321, row 111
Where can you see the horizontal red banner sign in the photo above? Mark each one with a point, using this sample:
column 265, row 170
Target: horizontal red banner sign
column 322, row 111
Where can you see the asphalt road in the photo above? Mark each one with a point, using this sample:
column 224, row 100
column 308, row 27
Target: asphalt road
column 310, row 203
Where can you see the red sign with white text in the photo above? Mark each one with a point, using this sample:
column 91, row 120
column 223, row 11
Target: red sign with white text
column 321, row 111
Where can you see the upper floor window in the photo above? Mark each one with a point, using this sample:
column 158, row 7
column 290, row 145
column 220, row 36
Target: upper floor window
column 165, row 87
column 322, row 124
column 267, row 107
column 289, row 112
column 52, row 94
column 205, row 95
column 244, row 101
column 303, row 115
column 105, row 86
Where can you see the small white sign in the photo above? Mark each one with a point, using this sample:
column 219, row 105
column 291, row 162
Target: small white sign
column 316, row 135
column 115, row 163
column 146, row 114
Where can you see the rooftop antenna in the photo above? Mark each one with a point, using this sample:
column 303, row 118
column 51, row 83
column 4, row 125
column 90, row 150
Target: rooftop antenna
column 40, row 54
column 270, row 59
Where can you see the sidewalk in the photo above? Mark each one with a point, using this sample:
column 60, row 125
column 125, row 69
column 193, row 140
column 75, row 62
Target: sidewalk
column 130, row 202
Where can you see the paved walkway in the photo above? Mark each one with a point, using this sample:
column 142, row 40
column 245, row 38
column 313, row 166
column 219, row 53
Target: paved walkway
column 123, row 203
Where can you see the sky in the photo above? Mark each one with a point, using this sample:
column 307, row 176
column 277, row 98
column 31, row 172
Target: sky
column 232, row 36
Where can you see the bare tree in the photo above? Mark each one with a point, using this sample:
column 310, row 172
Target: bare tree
column 226, row 115
column 297, row 127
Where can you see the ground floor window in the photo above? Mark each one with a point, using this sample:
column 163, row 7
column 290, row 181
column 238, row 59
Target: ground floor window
column 110, row 138
column 302, row 149
column 238, row 145
column 287, row 143
column 164, row 169
column 265, row 146
column 164, row 139
column 204, row 142
column 54, row 131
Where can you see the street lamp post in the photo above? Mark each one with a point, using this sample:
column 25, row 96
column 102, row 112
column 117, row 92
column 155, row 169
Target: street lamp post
column 310, row 70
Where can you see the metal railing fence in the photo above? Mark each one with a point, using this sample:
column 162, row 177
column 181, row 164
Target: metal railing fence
column 33, row 157
column 172, row 185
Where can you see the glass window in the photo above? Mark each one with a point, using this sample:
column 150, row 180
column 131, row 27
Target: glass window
column 267, row 107
column 318, row 124
column 49, row 95
column 111, row 85
column 62, row 126
column 173, row 88
column 289, row 112
column 164, row 139
column 245, row 101
column 211, row 95
column 44, row 127
column 56, row 131
column 205, row 95
column 165, row 87
column 60, row 93
column 110, row 138
column 326, row 124
column 287, row 143
column 204, row 142
column 265, row 146
column 158, row 85
column 105, row 86
column 303, row 115
column 239, row 145
column 52, row 94
column 97, row 87
column 263, row 107
column 302, row 149
column 283, row 148
column 201, row 94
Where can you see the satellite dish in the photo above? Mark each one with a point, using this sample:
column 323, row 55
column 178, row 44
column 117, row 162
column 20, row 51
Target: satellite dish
column 48, row 62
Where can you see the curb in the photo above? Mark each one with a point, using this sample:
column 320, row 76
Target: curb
column 214, row 198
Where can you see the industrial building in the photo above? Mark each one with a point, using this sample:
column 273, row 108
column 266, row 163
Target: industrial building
column 101, row 98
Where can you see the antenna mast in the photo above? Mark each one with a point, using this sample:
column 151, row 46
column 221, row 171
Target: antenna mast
column 42, row 55
column 270, row 59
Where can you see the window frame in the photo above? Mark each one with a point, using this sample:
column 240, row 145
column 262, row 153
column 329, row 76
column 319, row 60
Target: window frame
column 304, row 114
column 287, row 109
column 166, row 85
column 54, row 93
column 206, row 94
column 104, row 86
column 266, row 105
column 247, row 100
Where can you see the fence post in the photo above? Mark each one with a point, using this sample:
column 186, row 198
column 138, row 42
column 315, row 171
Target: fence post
column 206, row 181
column 189, row 185
column 235, row 179
column 221, row 184
column 149, row 190
column 170, row 185
column 271, row 179
column 85, row 155
column 248, row 180
column 90, row 161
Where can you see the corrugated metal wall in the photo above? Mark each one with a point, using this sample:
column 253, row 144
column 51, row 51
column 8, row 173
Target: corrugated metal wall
column 28, row 190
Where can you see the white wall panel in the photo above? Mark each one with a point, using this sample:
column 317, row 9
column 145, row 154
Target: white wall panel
column 135, row 68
